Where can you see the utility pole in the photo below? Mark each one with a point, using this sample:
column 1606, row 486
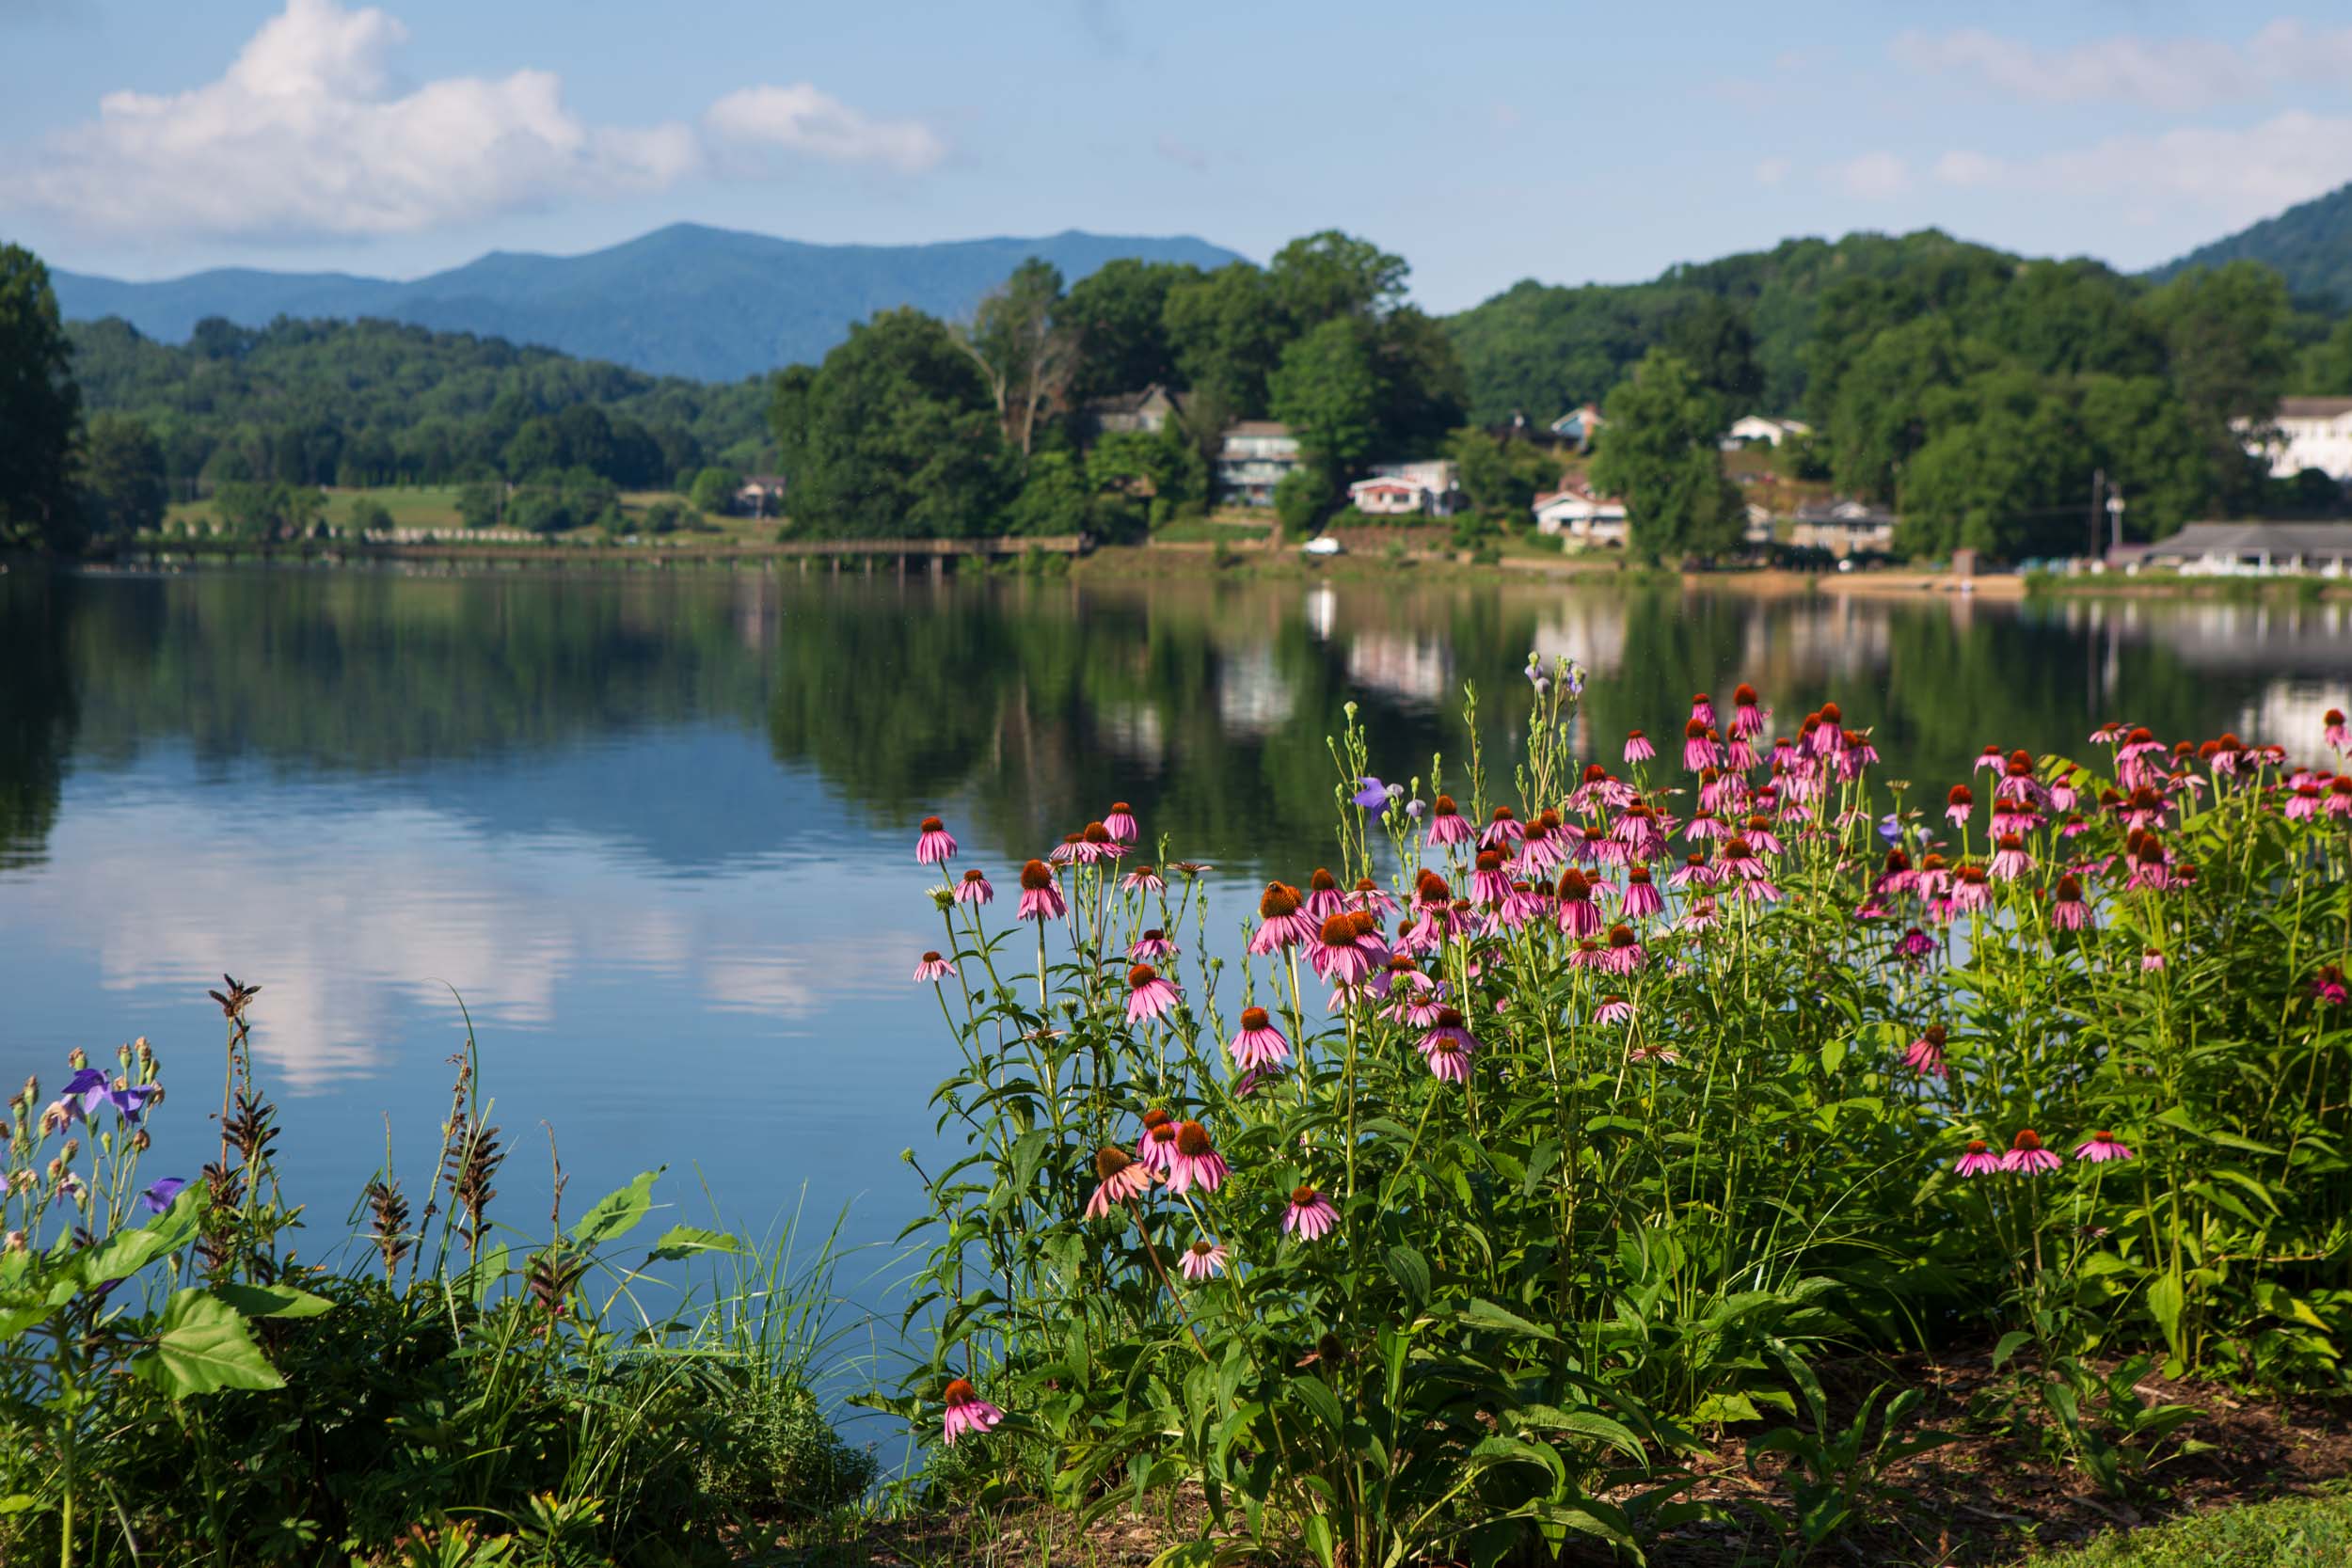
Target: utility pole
column 2098, row 484
column 2115, row 519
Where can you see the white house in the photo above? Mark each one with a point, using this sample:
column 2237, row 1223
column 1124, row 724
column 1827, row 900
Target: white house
column 2306, row 432
column 2256, row 549
column 1581, row 519
column 1255, row 455
column 1843, row 527
column 1752, row 428
column 1432, row 485
column 1382, row 496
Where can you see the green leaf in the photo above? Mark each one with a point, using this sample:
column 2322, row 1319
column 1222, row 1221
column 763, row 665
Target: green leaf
column 1410, row 1270
column 616, row 1213
column 1721, row 1408
column 1317, row 1396
column 685, row 1240
column 1832, row 1055
column 2009, row 1345
column 1485, row 1314
column 2165, row 1300
column 203, row 1347
column 272, row 1300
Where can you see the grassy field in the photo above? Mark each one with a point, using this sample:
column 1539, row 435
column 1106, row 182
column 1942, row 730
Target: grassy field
column 435, row 506
column 2299, row 1532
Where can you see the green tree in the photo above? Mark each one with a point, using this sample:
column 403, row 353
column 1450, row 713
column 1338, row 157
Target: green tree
column 1119, row 315
column 2007, row 472
column 1883, row 401
column 2228, row 353
column 1501, row 477
column 121, row 477
column 1300, row 504
column 1328, row 274
column 1054, row 497
column 1659, row 452
column 39, row 408
column 1225, row 331
column 2141, row 435
column 714, row 489
column 1025, row 355
column 1139, row 476
column 1422, row 390
column 894, row 434
column 481, row 503
column 1711, row 335
column 1327, row 390
column 246, row 508
column 368, row 515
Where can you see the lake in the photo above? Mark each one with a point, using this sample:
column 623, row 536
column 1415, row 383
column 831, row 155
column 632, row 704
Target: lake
column 655, row 830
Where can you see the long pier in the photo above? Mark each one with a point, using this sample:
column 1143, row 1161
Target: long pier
column 835, row 554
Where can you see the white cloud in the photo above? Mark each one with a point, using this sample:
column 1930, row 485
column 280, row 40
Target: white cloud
column 2228, row 177
column 2159, row 73
column 308, row 135
column 1873, row 175
column 801, row 119
column 1772, row 171
column 1967, row 168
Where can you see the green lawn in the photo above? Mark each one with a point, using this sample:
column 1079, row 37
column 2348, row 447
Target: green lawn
column 1209, row 531
column 2302, row 1532
column 435, row 506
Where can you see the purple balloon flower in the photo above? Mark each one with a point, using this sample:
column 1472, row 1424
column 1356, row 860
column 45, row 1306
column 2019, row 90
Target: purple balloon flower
column 89, row 1088
column 158, row 1197
column 1370, row 793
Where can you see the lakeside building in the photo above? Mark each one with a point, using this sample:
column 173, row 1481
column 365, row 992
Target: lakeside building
column 1255, row 455
column 1430, row 487
column 1580, row 519
column 2251, row 550
column 2306, row 433
column 1843, row 527
column 1756, row 429
column 1518, row 427
column 760, row 495
column 1580, row 424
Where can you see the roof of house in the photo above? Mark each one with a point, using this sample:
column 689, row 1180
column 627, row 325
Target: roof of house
column 1576, row 493
column 2199, row 539
column 763, row 481
column 1129, row 403
column 2313, row 408
column 1258, row 427
column 1388, row 482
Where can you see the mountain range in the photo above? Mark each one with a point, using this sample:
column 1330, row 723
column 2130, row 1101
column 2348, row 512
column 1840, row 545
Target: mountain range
column 2310, row 246
column 713, row 304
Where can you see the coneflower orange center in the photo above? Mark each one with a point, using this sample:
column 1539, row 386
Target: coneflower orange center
column 1193, row 1139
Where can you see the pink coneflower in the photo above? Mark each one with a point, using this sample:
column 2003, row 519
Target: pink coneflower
column 1699, row 750
column 1958, row 800
column 1916, row 945
column 1637, row 748
column 1614, row 1009
column 1703, row 711
column 1041, row 895
column 1064, row 853
column 1740, row 757
column 1122, row 823
column 2145, row 808
column 1197, row 1163
column 2331, row 729
column 1748, row 877
column 1760, row 834
column 2328, row 985
column 1856, row 752
column 1488, row 884
column 1703, row 826
column 2340, row 796
column 1260, row 1044
column 2068, row 910
column 1151, row 947
column 1990, row 757
column 967, row 1412
column 1824, row 739
column 1446, row 826
column 2149, row 866
column 1638, row 829
column 936, row 846
column 1642, row 897
column 1625, row 953
column 1576, row 914
column 1310, row 1215
column 1653, row 1051
column 1348, row 948
column 2304, row 801
column 2009, row 860
column 1933, row 877
column 1747, row 719
column 2101, row 1147
column 2007, row 819
column 1978, row 1161
column 1925, row 1054
column 1784, row 754
column 974, row 888
column 1095, row 844
column 2106, row 733
column 2151, row 961
column 1281, row 923
column 1448, row 1059
column 1149, row 995
column 1970, row 890
column 1143, row 878
column 2062, row 793
column 1122, row 1179
column 1202, row 1259
column 1503, row 828
column 1692, row 872
column 1323, row 896
column 2026, row 1157
column 934, row 968
column 1156, row 1149
column 1895, row 877
column 1700, row 916
column 1372, row 897
column 1538, row 851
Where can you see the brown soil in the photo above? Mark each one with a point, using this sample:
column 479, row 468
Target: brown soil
column 1979, row 1501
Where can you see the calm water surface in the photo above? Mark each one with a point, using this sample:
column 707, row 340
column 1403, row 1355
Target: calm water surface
column 655, row 830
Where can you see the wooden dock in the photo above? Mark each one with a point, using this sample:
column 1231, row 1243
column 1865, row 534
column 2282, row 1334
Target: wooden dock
column 937, row 556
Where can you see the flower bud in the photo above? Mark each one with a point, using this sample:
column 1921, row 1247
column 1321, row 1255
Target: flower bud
column 15, row 1242
column 147, row 1052
column 77, row 1058
column 944, row 898
column 139, row 1140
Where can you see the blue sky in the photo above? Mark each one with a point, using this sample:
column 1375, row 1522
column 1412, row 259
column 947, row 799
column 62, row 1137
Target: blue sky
column 1565, row 141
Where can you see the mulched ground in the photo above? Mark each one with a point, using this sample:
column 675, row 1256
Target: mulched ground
column 1982, row 1500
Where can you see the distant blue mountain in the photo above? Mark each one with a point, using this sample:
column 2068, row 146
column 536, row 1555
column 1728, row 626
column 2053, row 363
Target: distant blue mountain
column 714, row 304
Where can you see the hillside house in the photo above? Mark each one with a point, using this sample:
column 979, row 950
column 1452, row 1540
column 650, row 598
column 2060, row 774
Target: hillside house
column 1145, row 413
column 1580, row 519
column 2255, row 549
column 1431, row 487
column 1518, row 427
column 1255, row 455
column 1843, row 527
column 1580, row 424
column 2306, row 432
column 1758, row 429
column 760, row 495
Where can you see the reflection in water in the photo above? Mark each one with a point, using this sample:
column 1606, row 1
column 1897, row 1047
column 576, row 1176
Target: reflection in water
column 654, row 827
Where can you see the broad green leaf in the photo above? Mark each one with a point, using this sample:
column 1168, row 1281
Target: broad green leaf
column 273, row 1301
column 202, row 1347
column 2165, row 1301
column 616, row 1213
column 2009, row 1345
column 1317, row 1396
column 1722, row 1408
column 1832, row 1055
column 1410, row 1270
column 685, row 1240
column 1485, row 1314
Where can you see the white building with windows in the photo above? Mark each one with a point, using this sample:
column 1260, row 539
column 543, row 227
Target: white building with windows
column 2306, row 432
column 1758, row 429
column 1255, row 455
column 1580, row 519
